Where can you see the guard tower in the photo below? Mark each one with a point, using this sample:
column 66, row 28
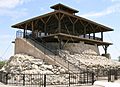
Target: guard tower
column 63, row 26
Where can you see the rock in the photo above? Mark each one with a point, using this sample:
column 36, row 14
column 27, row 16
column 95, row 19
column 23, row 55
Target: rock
column 90, row 58
column 31, row 67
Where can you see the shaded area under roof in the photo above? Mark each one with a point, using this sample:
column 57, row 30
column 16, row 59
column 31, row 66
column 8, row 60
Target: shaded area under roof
column 66, row 37
column 21, row 25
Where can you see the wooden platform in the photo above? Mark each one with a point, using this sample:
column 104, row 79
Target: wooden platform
column 72, row 39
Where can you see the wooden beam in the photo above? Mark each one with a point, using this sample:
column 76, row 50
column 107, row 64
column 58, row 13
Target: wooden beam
column 49, row 18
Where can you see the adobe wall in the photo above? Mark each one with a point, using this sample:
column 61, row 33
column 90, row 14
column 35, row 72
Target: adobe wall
column 82, row 48
column 76, row 47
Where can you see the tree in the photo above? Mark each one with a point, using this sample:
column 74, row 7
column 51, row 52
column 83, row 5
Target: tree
column 119, row 58
column 2, row 64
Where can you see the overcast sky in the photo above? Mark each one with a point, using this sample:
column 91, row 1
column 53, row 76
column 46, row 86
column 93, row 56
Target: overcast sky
column 106, row 12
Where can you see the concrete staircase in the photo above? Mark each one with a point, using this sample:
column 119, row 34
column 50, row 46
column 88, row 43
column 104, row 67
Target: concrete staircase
column 32, row 47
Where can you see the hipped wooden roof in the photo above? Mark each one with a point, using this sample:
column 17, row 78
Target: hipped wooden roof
column 21, row 25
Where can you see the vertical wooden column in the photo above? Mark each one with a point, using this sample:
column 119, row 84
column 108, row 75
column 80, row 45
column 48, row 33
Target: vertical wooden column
column 85, row 29
column 25, row 31
column 33, row 33
column 73, row 28
column 102, row 36
column 45, row 29
column 59, row 24
column 89, row 35
column 94, row 36
column 59, row 30
column 106, row 49
column 84, row 32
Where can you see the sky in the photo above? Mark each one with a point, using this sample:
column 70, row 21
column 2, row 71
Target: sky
column 106, row 12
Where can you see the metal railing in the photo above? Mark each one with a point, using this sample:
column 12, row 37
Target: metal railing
column 43, row 80
column 66, row 62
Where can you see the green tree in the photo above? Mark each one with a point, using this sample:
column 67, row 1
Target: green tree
column 2, row 64
column 119, row 58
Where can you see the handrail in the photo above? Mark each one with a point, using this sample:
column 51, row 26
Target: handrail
column 41, row 44
column 72, row 58
column 52, row 51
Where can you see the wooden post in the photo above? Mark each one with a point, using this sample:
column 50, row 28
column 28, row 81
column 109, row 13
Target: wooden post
column 94, row 36
column 25, row 32
column 60, row 45
column 89, row 35
column 102, row 36
column 84, row 32
column 73, row 28
column 59, row 26
column 45, row 28
column 106, row 46
column 33, row 34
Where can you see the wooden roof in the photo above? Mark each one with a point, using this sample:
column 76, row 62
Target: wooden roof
column 103, row 28
column 64, row 7
column 73, row 39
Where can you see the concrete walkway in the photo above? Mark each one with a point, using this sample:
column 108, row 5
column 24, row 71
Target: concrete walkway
column 3, row 85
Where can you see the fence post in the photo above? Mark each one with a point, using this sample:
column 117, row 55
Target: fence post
column 92, row 78
column 84, row 77
column 0, row 76
column 87, row 76
column 23, row 79
column 6, row 80
column 109, row 75
column 116, row 74
column 69, row 79
column 44, row 80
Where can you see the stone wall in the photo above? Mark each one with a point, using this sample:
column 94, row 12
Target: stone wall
column 82, row 48
column 76, row 47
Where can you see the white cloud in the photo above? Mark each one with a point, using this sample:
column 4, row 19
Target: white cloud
column 8, row 8
column 13, row 14
column 115, row 0
column 5, row 36
column 77, row 1
column 112, row 0
column 113, row 9
column 7, row 4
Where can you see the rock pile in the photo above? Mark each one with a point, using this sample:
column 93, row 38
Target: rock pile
column 33, row 69
column 90, row 59
column 24, row 64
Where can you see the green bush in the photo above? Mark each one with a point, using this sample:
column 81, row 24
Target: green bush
column 2, row 64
